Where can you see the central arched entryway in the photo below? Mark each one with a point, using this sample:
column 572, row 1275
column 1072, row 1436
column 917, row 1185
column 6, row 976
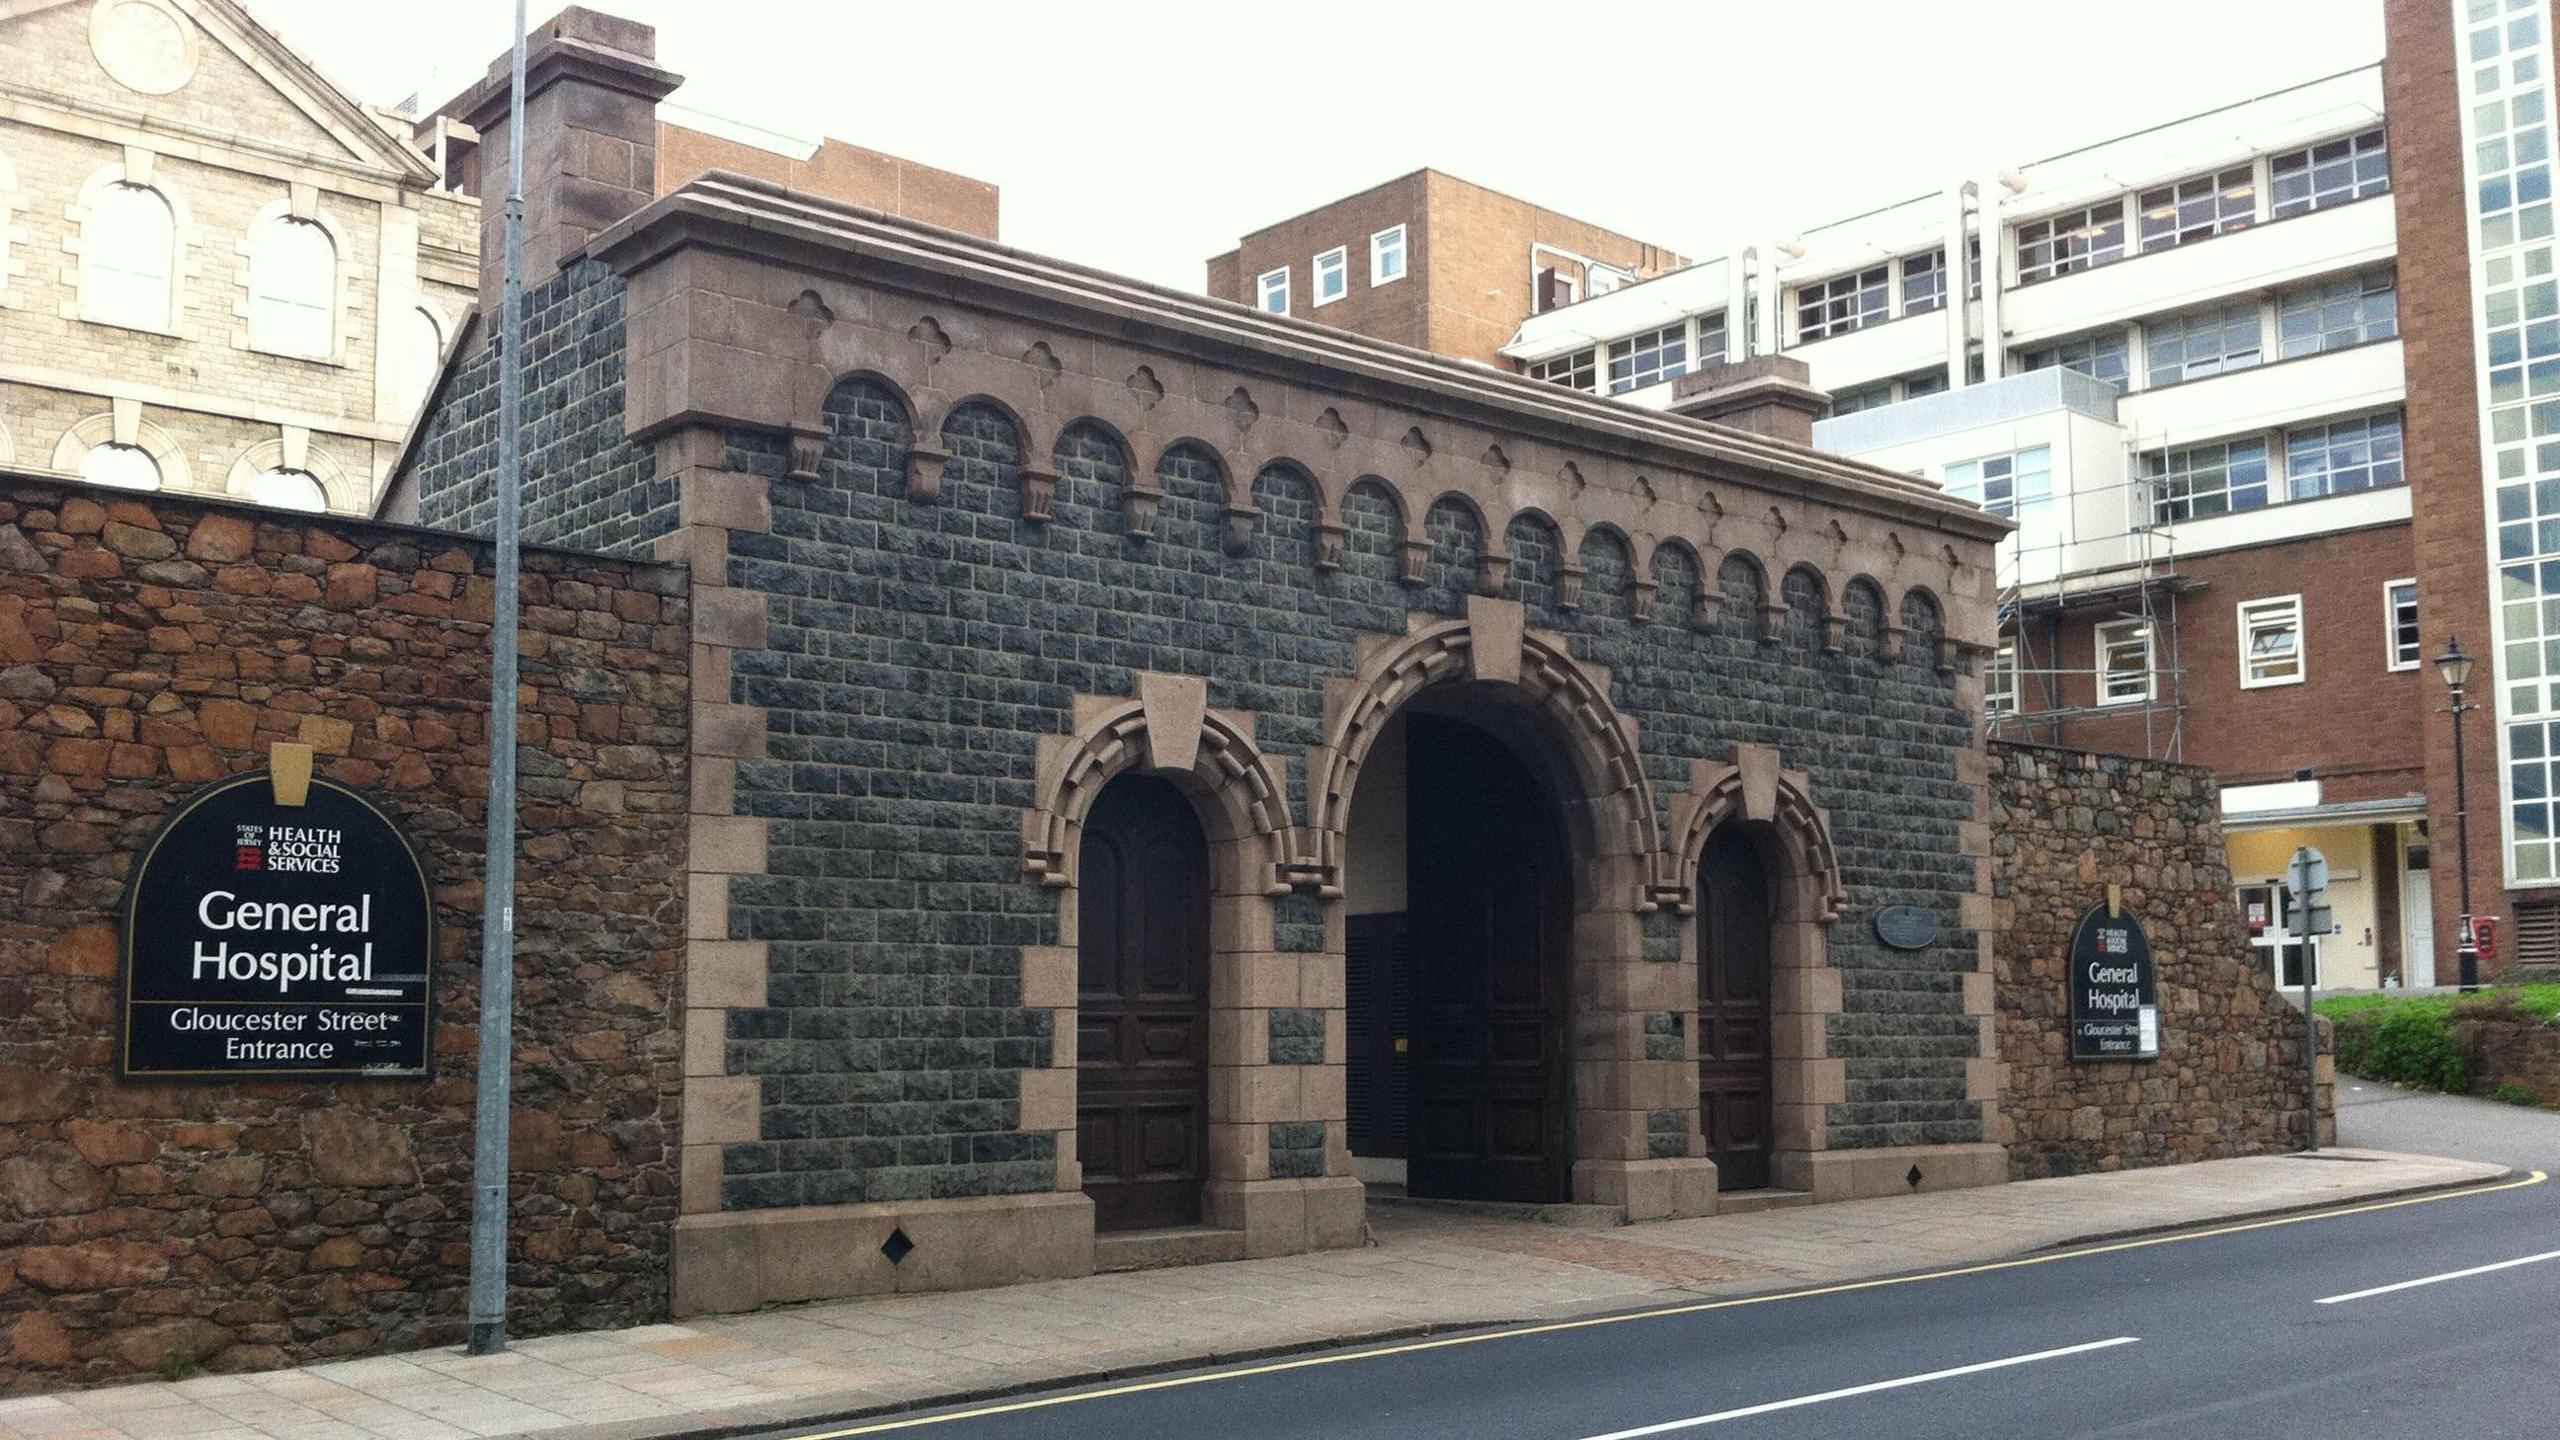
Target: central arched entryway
column 1458, row 931
column 1736, row 1085
column 1142, row 997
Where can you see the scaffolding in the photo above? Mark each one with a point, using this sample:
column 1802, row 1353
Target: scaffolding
column 2074, row 582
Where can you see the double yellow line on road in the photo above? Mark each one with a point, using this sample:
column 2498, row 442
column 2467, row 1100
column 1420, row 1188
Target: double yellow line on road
column 1479, row 1337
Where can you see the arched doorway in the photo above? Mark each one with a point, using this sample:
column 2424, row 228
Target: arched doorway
column 1142, row 1027
column 1736, row 1087
column 1458, row 958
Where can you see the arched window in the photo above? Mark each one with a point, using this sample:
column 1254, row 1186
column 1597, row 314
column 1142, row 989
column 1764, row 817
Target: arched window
column 126, row 467
column 289, row 490
column 420, row 349
column 293, row 287
column 131, row 245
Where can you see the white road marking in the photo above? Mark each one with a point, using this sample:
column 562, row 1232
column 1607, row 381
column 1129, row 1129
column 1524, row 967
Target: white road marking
column 2440, row 1279
column 1719, row 1417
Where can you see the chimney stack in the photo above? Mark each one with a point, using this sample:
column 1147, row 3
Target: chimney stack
column 592, row 88
column 1770, row 395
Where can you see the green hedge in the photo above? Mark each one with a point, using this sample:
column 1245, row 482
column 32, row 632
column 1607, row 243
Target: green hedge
column 2408, row 1039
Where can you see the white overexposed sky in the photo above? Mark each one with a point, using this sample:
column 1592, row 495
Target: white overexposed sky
column 1146, row 135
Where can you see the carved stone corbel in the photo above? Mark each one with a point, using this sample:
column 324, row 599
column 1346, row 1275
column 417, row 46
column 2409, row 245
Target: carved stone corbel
column 1414, row 562
column 807, row 447
column 1493, row 572
column 1138, row 511
column 1039, row 494
column 1329, row 542
column 1773, row 621
column 1235, row 535
column 1835, row 634
column 1640, row 600
column 1569, row 587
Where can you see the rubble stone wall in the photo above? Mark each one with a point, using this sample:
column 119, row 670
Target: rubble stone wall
column 149, row 644
column 2065, row 824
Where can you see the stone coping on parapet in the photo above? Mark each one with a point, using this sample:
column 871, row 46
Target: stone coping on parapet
column 769, row 221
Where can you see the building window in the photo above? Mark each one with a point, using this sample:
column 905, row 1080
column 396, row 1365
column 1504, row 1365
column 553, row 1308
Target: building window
column 1843, row 303
column 1865, row 397
column 129, row 251
column 1332, row 276
column 2271, row 642
column 293, row 287
column 2401, row 644
column 2329, row 174
column 2209, row 342
column 1578, row 369
column 2201, row 481
column 1927, row 382
column 2102, row 356
column 2197, row 208
column 1386, row 255
column 2338, row 314
column 418, row 351
column 126, row 467
column 2000, row 683
column 1924, row 282
column 2015, row 485
column 1712, row 341
column 1645, row 359
column 2533, row 754
column 1272, row 291
column 289, row 490
column 2072, row 241
column 2342, row 456
column 2124, row 662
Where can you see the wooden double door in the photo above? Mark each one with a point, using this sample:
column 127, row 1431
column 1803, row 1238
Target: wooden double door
column 1142, row 997
column 1736, row 1093
column 1488, row 920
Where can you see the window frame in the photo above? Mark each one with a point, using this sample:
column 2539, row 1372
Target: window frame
column 1669, row 345
column 1264, row 289
column 1932, row 267
column 2310, row 161
column 2178, row 194
column 2050, row 238
column 2271, row 612
column 2101, row 648
column 1336, row 260
column 275, row 309
column 96, row 249
column 2191, row 323
column 2019, row 502
column 2000, row 687
column 1380, row 246
column 2393, row 659
column 1565, row 368
column 2162, row 503
column 2091, row 345
column 1850, row 288
column 2374, row 463
column 2363, row 293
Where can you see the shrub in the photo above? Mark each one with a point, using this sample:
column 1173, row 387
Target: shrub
column 2402, row 1045
column 2515, row 1094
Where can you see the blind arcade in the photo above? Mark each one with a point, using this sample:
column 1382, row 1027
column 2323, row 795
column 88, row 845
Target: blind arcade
column 2115, row 1012
column 278, row 925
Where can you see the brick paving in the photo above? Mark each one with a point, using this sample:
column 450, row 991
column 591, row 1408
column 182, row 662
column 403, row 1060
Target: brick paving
column 1424, row 1270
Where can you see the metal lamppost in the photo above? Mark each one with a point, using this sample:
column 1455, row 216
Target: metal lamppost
column 2455, row 667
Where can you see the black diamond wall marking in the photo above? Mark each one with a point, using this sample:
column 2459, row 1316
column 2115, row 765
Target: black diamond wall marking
column 897, row 1247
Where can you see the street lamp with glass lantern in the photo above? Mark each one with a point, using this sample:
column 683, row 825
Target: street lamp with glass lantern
column 2455, row 666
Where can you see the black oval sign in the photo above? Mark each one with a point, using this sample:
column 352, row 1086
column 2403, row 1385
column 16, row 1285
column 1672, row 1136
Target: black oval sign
column 263, row 939
column 1907, row 927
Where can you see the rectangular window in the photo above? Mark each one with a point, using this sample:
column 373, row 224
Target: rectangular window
column 1646, row 359
column 1386, row 255
column 2271, row 642
column 2014, row 485
column 1927, row 382
column 1712, row 340
column 1865, row 397
column 2342, row 456
column 2071, row 241
column 1578, row 369
column 2102, row 356
column 2330, row 173
column 2209, row 342
column 2337, row 314
column 2124, row 662
column 2000, row 683
column 2201, row 481
column 1924, row 282
column 2400, row 641
column 1272, row 291
column 1843, row 303
column 1332, row 275
column 2197, row 208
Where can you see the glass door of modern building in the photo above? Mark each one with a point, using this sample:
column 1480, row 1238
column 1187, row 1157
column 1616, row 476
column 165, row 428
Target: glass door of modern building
column 2268, row 909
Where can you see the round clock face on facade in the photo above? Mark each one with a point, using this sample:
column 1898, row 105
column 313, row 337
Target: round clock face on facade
column 145, row 45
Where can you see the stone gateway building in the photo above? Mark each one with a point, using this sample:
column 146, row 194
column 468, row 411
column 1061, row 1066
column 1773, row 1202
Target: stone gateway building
column 1156, row 764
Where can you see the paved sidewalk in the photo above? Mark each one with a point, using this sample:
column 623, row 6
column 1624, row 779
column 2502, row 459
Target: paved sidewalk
column 1426, row 1270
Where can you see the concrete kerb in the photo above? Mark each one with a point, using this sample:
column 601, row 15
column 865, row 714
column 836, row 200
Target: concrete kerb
column 819, row 1411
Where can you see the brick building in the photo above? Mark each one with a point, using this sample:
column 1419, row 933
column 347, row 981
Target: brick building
column 219, row 275
column 1047, row 625
column 1431, row 261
